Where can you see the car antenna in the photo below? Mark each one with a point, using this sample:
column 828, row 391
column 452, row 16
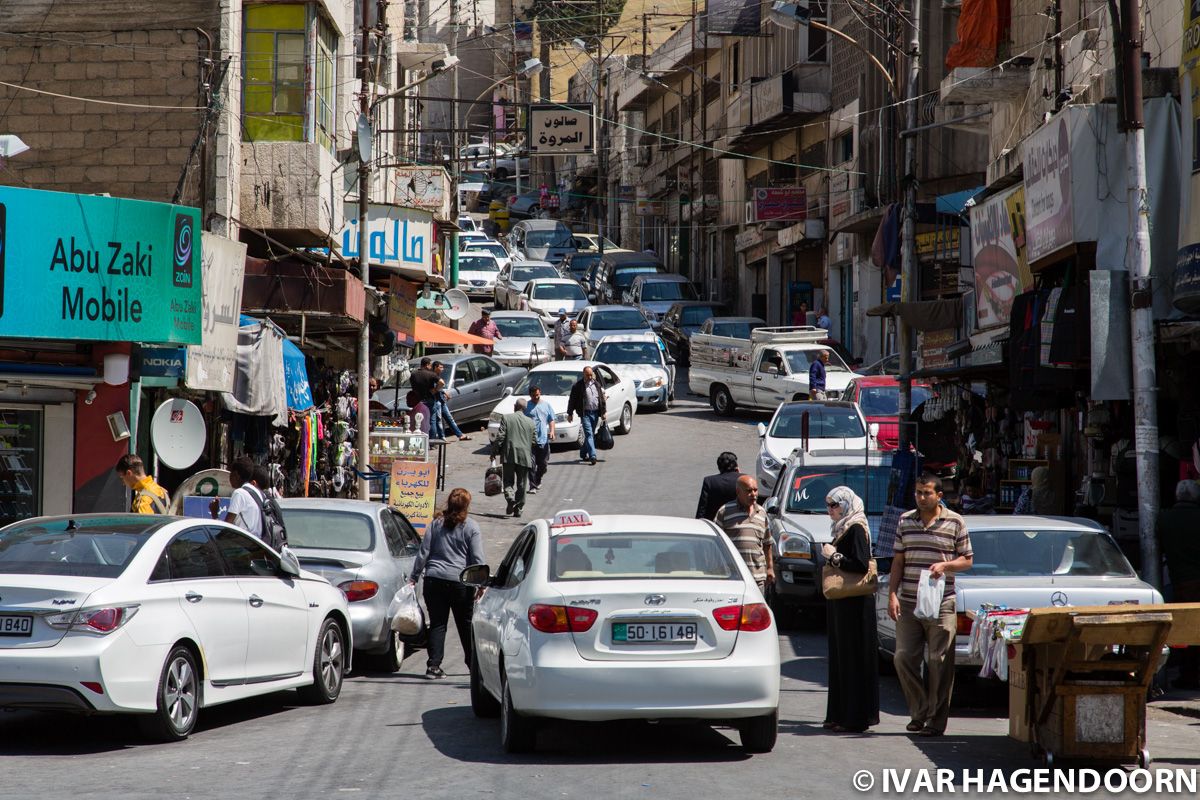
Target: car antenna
column 72, row 526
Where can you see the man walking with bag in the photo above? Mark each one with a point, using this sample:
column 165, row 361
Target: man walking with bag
column 514, row 443
column 543, row 424
column 587, row 400
column 931, row 539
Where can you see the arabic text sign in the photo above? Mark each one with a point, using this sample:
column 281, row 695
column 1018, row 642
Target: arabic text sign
column 413, row 491
column 561, row 128
column 400, row 238
column 998, row 253
column 780, row 203
column 1050, row 221
column 80, row 266
column 402, row 311
column 421, row 187
column 212, row 364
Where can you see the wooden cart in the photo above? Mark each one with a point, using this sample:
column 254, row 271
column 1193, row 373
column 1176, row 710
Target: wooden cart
column 1081, row 676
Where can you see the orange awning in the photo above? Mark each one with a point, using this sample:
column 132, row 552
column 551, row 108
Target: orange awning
column 432, row 333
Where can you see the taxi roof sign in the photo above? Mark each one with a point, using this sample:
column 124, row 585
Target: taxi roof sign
column 571, row 518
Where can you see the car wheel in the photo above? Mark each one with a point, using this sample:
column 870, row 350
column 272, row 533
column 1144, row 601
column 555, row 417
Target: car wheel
column 389, row 660
column 329, row 666
column 482, row 702
column 625, row 425
column 178, row 700
column 518, row 734
column 722, row 400
column 759, row 733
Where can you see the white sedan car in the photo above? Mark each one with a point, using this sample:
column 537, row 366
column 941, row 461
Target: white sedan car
column 548, row 296
column 814, row 425
column 623, row 617
column 477, row 273
column 556, row 379
column 160, row 616
column 642, row 359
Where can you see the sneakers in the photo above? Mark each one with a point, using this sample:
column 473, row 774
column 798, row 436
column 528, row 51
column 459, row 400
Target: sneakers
column 593, row 461
column 508, row 509
column 434, row 673
column 532, row 490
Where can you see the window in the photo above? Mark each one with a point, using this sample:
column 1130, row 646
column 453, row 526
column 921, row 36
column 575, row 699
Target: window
column 512, row 568
column 824, row 422
column 99, row 547
column 818, row 39
column 397, row 546
column 328, row 530
column 697, row 315
column 734, row 70
column 607, row 377
column 245, row 556
column 412, row 542
column 484, row 368
column 191, row 554
column 771, row 358
column 652, row 556
column 843, row 148
column 807, row 488
column 323, row 86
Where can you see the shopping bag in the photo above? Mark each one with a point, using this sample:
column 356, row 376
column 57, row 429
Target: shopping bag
column 604, row 437
column 405, row 611
column 493, row 480
column 930, row 591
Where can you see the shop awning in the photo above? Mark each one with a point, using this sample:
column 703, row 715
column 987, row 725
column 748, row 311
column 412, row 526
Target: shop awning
column 923, row 315
column 432, row 333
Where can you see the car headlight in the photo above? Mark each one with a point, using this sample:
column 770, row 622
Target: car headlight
column 768, row 463
column 495, row 416
column 652, row 383
column 795, row 545
column 560, row 417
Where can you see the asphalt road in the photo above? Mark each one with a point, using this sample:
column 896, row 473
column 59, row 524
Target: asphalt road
column 404, row 736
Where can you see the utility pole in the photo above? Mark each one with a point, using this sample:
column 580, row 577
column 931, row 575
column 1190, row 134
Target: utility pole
column 601, row 171
column 452, row 280
column 363, row 440
column 1145, row 372
column 908, row 246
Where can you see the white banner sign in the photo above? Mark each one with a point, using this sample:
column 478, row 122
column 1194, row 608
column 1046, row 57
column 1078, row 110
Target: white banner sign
column 397, row 238
column 1049, row 220
column 211, row 364
column 422, row 187
column 559, row 128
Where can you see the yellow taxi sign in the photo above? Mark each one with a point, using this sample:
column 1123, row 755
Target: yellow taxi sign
column 571, row 518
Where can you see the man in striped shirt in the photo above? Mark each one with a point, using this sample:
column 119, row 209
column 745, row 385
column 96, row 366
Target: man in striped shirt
column 745, row 523
column 930, row 538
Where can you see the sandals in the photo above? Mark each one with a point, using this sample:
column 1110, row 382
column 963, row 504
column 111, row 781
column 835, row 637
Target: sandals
column 464, row 438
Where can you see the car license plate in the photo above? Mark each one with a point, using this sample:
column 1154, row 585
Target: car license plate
column 16, row 625
column 653, row 632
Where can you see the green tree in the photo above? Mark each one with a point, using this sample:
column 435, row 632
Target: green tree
column 561, row 22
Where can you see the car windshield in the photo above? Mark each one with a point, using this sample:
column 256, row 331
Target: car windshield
column 668, row 290
column 580, row 263
column 553, row 383
column 824, row 422
column 649, row 556
column 533, row 273
column 472, row 177
column 557, row 291
column 629, row 353
column 99, row 547
column 696, row 315
column 495, row 248
column 1033, row 552
column 800, row 360
column 808, row 486
column 619, row 319
column 328, row 530
column 553, row 238
column 884, row 401
column 469, row 263
column 624, row 275
column 737, row 330
column 518, row 327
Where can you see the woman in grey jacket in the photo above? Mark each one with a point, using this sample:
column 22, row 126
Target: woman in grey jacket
column 452, row 543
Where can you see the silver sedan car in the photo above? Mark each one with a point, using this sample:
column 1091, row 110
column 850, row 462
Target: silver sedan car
column 367, row 551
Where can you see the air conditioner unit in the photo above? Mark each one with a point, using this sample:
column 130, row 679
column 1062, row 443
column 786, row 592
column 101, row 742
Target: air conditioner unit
column 750, row 215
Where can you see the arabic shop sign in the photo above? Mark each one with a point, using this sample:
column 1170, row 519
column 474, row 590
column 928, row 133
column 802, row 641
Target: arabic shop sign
column 211, row 365
column 398, row 238
column 76, row 266
column 558, row 128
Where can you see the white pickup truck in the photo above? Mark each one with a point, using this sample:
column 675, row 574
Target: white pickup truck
column 763, row 371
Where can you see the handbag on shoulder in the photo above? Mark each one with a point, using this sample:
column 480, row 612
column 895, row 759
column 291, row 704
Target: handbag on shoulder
column 838, row 584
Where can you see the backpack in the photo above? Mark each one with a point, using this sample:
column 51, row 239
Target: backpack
column 159, row 505
column 274, row 532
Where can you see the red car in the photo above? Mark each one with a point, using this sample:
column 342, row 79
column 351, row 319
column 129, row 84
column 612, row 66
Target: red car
column 879, row 398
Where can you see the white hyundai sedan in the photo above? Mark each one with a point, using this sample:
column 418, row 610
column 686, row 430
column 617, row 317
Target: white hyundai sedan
column 623, row 617
column 160, row 616
column 555, row 379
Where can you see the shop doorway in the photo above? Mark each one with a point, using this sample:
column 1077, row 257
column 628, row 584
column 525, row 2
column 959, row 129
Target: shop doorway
column 21, row 454
column 799, row 292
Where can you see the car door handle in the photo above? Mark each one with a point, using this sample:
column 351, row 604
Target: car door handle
column 256, row 601
column 758, row 378
column 193, row 597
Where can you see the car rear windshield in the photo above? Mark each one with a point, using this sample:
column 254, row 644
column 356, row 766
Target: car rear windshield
column 668, row 290
column 737, row 330
column 629, row 353
column 519, row 327
column 552, row 384
column 883, row 401
column 469, row 263
column 557, row 291
column 650, row 556
column 533, row 273
column 495, row 248
column 328, row 530
column 619, row 320
column 1021, row 552
column 696, row 315
column 554, row 238
column 824, row 422
column 90, row 548
column 807, row 488
column 624, row 275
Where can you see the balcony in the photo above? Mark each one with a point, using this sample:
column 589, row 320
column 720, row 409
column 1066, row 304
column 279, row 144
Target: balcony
column 762, row 107
column 974, row 85
column 281, row 192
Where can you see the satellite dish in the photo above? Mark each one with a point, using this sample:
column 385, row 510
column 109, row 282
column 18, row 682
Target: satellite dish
column 177, row 433
column 458, row 303
column 206, row 483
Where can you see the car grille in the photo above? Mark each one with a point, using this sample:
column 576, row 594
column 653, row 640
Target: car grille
column 637, row 384
column 479, row 283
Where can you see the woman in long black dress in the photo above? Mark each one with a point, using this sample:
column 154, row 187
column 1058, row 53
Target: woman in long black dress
column 853, row 701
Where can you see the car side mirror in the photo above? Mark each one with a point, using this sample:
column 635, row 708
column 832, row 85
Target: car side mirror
column 591, row 297
column 670, row 361
column 477, row 575
column 874, row 429
column 508, row 390
column 771, row 506
column 772, row 369
column 762, row 430
column 288, row 563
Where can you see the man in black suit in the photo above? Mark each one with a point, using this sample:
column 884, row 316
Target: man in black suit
column 719, row 489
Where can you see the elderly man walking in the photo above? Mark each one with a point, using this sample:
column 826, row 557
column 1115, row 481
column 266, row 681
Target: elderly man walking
column 745, row 523
column 514, row 443
column 575, row 344
column 587, row 400
column 816, row 376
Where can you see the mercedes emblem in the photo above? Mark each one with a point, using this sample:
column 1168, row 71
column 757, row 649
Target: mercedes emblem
column 655, row 599
column 1058, row 599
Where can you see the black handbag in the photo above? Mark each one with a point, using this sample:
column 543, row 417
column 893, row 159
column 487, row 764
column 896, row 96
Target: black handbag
column 604, row 437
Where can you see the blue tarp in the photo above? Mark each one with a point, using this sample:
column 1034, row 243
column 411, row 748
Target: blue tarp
column 295, row 373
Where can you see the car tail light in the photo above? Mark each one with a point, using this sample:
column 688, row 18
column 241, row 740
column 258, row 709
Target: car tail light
column 93, row 686
column 561, row 619
column 750, row 617
column 359, row 590
column 93, row 620
column 964, row 624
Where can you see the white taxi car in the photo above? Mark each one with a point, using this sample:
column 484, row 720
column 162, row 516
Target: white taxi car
column 556, row 379
column 160, row 617
column 623, row 617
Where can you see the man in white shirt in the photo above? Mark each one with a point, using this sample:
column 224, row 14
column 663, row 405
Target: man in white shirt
column 575, row 345
column 245, row 508
column 562, row 329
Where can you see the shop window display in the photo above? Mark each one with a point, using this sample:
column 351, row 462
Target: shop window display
column 20, row 464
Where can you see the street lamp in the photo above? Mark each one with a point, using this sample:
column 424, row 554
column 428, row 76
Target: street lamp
column 791, row 16
column 531, row 67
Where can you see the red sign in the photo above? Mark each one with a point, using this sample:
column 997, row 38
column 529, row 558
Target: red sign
column 789, row 203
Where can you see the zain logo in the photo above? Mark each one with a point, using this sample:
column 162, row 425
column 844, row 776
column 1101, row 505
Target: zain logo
column 181, row 260
column 1058, row 599
column 655, row 599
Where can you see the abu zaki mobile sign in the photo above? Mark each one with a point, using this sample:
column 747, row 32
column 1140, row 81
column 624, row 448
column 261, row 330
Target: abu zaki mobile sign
column 78, row 266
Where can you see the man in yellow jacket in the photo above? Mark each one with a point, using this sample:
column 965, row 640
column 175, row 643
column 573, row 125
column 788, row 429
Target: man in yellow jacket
column 148, row 496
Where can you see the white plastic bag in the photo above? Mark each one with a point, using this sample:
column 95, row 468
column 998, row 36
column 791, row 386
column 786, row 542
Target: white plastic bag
column 405, row 612
column 930, row 591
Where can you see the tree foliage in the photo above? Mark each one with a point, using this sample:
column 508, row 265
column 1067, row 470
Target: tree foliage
column 561, row 22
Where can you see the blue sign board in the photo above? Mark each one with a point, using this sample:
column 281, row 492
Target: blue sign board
column 893, row 291
column 163, row 362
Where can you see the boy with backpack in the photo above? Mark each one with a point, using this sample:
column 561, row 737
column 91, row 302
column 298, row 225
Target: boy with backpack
column 250, row 509
column 148, row 496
